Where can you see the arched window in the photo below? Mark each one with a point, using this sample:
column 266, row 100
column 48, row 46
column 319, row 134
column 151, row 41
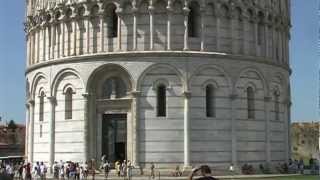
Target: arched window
column 41, row 106
column 161, row 101
column 210, row 101
column 40, row 131
column 114, row 87
column 250, row 102
column 194, row 20
column 112, row 21
column 276, row 105
column 68, row 103
column 261, row 35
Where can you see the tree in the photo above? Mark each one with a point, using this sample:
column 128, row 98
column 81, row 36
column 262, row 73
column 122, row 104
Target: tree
column 12, row 125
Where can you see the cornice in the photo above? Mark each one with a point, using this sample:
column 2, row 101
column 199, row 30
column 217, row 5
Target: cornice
column 129, row 55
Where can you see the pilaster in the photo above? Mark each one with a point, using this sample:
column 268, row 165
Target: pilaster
column 31, row 104
column 135, row 127
column 234, row 158
column 267, row 105
column 53, row 103
column 86, row 98
column 186, row 122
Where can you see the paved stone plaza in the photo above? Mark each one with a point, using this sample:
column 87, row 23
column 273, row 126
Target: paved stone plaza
column 170, row 82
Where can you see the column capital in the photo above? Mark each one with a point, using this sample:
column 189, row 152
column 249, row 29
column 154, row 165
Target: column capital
column 186, row 11
column 135, row 94
column 30, row 102
column 187, row 94
column 151, row 9
column 53, row 100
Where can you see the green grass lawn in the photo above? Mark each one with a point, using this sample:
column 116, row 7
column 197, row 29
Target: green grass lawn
column 289, row 178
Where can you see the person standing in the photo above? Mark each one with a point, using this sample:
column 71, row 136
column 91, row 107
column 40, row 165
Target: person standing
column 106, row 167
column 28, row 175
column 43, row 171
column 117, row 166
column 152, row 173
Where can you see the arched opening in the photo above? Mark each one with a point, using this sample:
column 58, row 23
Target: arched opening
column 250, row 103
column 112, row 111
column 68, row 103
column 41, row 106
column 261, row 32
column 112, row 21
column 161, row 101
column 210, row 101
column 276, row 105
column 113, row 88
column 194, row 20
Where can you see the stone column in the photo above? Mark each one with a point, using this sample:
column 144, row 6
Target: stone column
column 267, row 107
column 27, row 131
column 53, row 38
column 234, row 158
column 101, row 33
column 86, row 132
column 135, row 127
column 256, row 34
column 74, row 30
column 218, row 32
column 52, row 132
column 38, row 32
column 119, row 13
column 28, row 50
column 186, row 122
column 62, row 43
column 203, row 29
column 267, row 40
column 31, row 130
column 44, row 38
column 234, row 23
column 169, row 14
column 134, row 13
column 47, row 43
column 88, row 33
column 151, row 11
column 186, row 11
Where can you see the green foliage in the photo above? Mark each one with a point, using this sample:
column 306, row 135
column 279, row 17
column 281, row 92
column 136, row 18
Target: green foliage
column 12, row 125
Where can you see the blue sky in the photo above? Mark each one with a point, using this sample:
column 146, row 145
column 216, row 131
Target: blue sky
column 303, row 47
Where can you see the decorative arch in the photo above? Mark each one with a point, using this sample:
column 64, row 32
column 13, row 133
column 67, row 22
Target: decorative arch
column 215, row 67
column 260, row 75
column 211, row 82
column 60, row 75
column 159, row 82
column 109, row 70
column 35, row 82
column 151, row 67
column 67, row 87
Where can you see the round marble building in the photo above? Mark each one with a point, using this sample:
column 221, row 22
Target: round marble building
column 174, row 82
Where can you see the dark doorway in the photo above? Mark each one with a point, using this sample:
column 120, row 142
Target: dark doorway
column 114, row 136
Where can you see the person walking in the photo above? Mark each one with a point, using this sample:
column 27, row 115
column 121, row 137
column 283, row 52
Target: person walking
column 152, row 173
column 117, row 166
column 205, row 173
column 27, row 168
column 106, row 167
column 43, row 171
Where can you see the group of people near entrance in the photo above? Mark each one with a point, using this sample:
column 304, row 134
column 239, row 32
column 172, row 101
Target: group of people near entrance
column 123, row 168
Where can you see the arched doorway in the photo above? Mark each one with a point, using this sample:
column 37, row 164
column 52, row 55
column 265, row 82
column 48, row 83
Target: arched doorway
column 111, row 123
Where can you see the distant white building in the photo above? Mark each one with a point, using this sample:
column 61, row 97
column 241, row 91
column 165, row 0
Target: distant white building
column 174, row 82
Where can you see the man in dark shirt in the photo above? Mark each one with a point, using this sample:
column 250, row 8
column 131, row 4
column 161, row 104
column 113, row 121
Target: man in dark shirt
column 205, row 172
